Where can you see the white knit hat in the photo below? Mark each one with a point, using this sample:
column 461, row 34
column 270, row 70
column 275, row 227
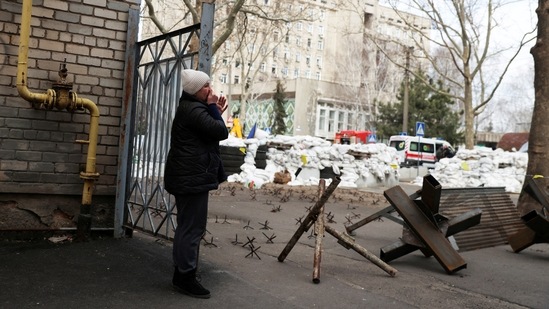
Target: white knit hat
column 194, row 80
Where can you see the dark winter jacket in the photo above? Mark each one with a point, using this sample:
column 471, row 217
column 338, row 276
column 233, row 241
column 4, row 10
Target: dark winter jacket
column 194, row 164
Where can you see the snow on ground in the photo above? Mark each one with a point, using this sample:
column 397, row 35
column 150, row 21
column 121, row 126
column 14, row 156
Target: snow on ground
column 372, row 165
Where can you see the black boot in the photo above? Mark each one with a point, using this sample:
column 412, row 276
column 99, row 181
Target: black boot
column 187, row 284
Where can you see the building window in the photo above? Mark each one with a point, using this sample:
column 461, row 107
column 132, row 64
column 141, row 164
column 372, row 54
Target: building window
column 296, row 73
column 309, row 42
column 310, row 28
column 331, row 121
column 299, row 26
column 319, row 62
column 262, row 67
column 275, row 52
column 273, row 68
column 297, row 57
column 350, row 121
column 322, row 119
column 340, row 120
column 317, row 75
column 298, row 41
column 320, row 29
column 236, row 79
column 287, row 40
column 320, row 45
column 308, row 60
column 223, row 78
column 308, row 74
column 285, row 71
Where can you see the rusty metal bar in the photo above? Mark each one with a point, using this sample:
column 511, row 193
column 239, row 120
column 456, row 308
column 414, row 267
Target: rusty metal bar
column 500, row 218
column 349, row 243
column 410, row 244
column 536, row 231
column 537, row 222
column 462, row 222
column 385, row 212
column 396, row 250
column 534, row 188
column 523, row 239
column 431, row 193
column 426, row 210
column 427, row 232
column 310, row 218
column 319, row 232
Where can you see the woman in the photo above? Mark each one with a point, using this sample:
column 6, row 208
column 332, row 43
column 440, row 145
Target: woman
column 193, row 168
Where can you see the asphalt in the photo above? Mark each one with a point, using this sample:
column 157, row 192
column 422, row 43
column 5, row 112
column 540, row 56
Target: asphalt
column 136, row 272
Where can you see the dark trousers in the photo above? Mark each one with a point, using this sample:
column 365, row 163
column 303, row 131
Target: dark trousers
column 192, row 215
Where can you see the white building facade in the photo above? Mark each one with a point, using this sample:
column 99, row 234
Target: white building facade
column 333, row 74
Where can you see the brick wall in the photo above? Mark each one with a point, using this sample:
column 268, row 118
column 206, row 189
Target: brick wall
column 38, row 153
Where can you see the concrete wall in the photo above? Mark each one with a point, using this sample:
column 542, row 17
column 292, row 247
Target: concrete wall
column 38, row 154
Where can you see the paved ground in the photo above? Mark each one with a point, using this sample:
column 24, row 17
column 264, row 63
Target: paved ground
column 136, row 272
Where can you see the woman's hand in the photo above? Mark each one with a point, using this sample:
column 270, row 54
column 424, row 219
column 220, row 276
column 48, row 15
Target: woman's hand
column 219, row 101
column 222, row 104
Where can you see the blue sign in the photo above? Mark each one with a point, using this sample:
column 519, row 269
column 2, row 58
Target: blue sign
column 420, row 128
column 372, row 138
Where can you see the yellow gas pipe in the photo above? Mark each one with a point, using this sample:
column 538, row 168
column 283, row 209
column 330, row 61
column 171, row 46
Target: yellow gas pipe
column 61, row 97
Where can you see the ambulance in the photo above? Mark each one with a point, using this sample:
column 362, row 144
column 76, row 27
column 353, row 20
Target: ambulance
column 416, row 150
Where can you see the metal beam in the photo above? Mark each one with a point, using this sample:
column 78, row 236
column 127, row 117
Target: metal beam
column 425, row 230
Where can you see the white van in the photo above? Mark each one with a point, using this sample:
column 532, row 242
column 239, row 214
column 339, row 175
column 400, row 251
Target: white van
column 410, row 149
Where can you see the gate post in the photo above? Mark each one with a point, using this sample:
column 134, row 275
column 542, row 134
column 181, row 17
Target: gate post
column 125, row 142
column 206, row 37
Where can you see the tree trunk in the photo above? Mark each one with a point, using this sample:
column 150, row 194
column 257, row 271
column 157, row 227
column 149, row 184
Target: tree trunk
column 469, row 115
column 538, row 146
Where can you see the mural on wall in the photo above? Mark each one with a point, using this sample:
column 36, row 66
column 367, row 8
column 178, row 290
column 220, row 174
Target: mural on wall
column 261, row 113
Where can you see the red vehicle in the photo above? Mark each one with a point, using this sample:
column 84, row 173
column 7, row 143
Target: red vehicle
column 352, row 137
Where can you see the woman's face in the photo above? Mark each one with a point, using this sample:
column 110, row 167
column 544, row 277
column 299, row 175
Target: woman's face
column 204, row 92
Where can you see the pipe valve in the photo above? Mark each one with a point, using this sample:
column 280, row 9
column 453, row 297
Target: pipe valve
column 63, row 90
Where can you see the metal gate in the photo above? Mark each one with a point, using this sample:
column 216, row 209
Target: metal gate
column 142, row 202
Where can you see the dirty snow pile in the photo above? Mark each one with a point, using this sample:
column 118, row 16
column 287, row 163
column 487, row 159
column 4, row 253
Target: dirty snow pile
column 371, row 165
column 481, row 167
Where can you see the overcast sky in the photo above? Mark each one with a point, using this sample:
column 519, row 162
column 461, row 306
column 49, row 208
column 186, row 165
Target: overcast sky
column 517, row 90
column 514, row 99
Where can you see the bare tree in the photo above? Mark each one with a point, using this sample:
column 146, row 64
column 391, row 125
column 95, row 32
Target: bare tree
column 538, row 147
column 464, row 29
column 167, row 15
column 255, row 43
column 261, row 29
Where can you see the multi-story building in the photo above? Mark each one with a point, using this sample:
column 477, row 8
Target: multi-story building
column 334, row 74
